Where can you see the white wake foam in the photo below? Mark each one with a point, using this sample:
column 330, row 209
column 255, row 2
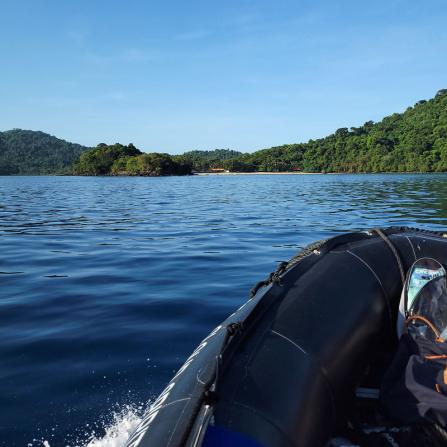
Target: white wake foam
column 117, row 430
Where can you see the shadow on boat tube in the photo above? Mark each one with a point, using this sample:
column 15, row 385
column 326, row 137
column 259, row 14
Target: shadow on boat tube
column 301, row 362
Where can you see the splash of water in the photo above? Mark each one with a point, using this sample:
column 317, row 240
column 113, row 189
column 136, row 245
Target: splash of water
column 117, row 430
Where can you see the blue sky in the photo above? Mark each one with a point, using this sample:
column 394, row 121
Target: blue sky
column 181, row 75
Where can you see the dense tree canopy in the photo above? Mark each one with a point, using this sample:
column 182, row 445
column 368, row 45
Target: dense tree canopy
column 206, row 160
column 99, row 161
column 415, row 140
column 127, row 160
column 412, row 141
column 27, row 152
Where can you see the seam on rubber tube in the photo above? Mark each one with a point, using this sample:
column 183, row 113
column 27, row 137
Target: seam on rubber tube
column 385, row 294
column 290, row 341
column 322, row 369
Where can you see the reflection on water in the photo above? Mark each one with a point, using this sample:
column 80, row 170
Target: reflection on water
column 107, row 284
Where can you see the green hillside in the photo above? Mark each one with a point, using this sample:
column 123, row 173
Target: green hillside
column 412, row 141
column 415, row 140
column 205, row 160
column 28, row 152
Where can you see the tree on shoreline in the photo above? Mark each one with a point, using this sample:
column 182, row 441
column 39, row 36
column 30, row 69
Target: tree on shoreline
column 205, row 160
column 412, row 141
column 127, row 160
column 99, row 161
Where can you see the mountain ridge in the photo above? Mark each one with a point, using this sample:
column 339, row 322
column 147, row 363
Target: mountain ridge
column 412, row 141
column 19, row 147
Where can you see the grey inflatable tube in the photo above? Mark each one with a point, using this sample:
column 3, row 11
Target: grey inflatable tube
column 282, row 370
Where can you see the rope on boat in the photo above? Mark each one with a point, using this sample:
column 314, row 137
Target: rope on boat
column 313, row 248
column 234, row 329
column 396, row 254
column 442, row 234
column 274, row 277
column 318, row 247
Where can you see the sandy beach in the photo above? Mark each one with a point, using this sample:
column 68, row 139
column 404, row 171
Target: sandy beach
column 259, row 173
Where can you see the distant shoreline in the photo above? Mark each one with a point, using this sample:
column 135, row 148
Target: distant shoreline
column 265, row 173
column 229, row 174
column 314, row 173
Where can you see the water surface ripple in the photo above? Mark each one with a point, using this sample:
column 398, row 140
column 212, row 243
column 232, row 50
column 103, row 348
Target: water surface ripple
column 107, row 284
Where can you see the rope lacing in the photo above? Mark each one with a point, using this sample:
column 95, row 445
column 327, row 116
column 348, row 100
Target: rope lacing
column 274, row 278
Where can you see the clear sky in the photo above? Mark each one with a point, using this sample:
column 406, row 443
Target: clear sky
column 172, row 76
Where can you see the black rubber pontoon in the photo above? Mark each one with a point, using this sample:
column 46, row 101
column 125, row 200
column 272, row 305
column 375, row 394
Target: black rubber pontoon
column 283, row 369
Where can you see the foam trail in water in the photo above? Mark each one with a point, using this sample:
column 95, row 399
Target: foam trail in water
column 117, row 431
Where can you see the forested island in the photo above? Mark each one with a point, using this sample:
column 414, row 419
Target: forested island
column 412, row 141
column 127, row 160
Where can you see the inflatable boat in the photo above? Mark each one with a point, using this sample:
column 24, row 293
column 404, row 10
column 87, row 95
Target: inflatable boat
column 295, row 364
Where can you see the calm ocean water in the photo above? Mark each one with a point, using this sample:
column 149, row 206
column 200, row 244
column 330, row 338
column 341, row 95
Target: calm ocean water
column 107, row 284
